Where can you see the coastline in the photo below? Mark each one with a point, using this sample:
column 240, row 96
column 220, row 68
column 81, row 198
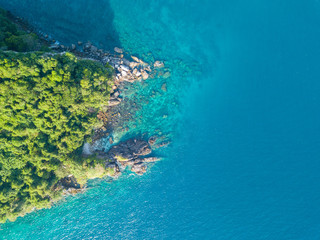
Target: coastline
column 135, row 153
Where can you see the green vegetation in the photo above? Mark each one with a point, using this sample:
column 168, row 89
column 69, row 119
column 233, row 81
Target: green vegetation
column 121, row 159
column 12, row 38
column 48, row 108
column 84, row 168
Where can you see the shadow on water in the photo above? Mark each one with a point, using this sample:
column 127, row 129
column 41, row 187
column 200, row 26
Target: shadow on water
column 70, row 21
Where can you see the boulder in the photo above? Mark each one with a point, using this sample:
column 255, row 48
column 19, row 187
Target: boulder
column 124, row 73
column 166, row 75
column 126, row 62
column 141, row 149
column 135, row 59
column 87, row 46
column 158, row 64
column 164, row 87
column 139, row 168
column 114, row 102
column 115, row 94
column 145, row 75
column 125, row 68
column 136, row 72
column 164, row 144
column 148, row 68
column 93, row 48
column 118, row 50
column 152, row 140
column 133, row 65
column 55, row 46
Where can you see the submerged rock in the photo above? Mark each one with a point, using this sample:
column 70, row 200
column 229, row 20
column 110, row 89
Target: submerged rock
column 164, row 87
column 149, row 159
column 118, row 50
column 93, row 48
column 166, row 75
column 158, row 64
column 152, row 140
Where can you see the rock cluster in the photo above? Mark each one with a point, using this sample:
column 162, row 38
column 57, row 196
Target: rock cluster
column 133, row 153
column 128, row 71
column 69, row 185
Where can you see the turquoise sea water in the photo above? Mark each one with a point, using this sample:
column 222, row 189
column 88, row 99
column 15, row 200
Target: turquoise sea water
column 242, row 108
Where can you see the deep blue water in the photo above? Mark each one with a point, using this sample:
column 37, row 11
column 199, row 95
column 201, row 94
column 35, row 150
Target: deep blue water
column 242, row 107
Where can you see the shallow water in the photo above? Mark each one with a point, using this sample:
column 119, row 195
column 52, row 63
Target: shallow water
column 242, row 107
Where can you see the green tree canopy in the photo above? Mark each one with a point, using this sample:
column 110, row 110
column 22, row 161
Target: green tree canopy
column 48, row 108
column 13, row 38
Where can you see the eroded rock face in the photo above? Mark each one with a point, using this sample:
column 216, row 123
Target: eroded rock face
column 128, row 150
column 139, row 168
column 70, row 182
column 133, row 153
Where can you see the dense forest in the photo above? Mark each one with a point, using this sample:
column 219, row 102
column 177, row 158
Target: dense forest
column 48, row 108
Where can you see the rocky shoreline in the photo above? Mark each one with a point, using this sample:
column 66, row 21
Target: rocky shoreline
column 127, row 68
column 135, row 153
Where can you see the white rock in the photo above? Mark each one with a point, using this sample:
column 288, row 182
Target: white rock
column 135, row 71
column 118, row 50
column 133, row 64
column 138, row 74
column 125, row 68
column 135, row 59
column 158, row 64
column 148, row 68
column 145, row 75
